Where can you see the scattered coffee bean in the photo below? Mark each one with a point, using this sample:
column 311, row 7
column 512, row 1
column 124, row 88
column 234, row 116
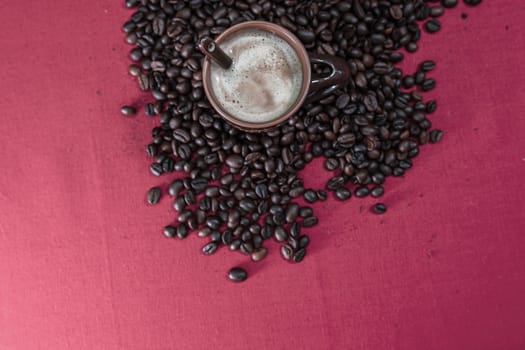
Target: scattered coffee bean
column 299, row 255
column 286, row 252
column 377, row 191
column 237, row 274
column 154, row 195
column 433, row 26
column 310, row 196
column 379, row 208
column 170, row 231
column 343, row 193
column 210, row 248
column 449, row 3
column 259, row 254
column 128, row 110
column 436, row 135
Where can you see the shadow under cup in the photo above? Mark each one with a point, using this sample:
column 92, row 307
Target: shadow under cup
column 299, row 50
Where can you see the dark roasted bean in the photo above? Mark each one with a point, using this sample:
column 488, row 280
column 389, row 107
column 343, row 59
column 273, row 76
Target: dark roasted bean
column 237, row 274
column 170, row 231
column 154, row 195
column 436, row 135
column 259, row 254
column 299, row 255
column 286, row 252
column 379, row 208
column 343, row 193
column 128, row 110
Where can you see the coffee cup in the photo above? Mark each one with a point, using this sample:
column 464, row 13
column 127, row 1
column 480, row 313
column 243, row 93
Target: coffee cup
column 269, row 76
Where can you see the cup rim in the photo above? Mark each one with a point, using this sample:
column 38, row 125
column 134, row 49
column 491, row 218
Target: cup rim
column 298, row 47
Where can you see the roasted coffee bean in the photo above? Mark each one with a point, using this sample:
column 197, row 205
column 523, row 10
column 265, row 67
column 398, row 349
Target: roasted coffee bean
column 299, row 255
column 210, row 248
column 154, row 195
column 310, row 196
column 234, row 161
column 305, row 212
column 431, row 106
column 449, row 3
column 379, row 208
column 472, row 2
column 247, row 248
column 343, row 193
column 432, row 25
column 237, row 274
column 156, row 169
column 170, row 231
column 427, row 66
column 259, row 254
column 292, row 212
column 361, row 191
column 295, row 230
column 436, row 11
column 436, row 135
column 428, row 85
column 304, row 241
column 292, row 242
column 128, row 110
column 377, row 191
column 182, row 231
column 286, row 252
column 310, row 221
column 280, row 234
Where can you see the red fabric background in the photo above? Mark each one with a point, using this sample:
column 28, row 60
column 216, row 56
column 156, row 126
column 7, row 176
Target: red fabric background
column 83, row 263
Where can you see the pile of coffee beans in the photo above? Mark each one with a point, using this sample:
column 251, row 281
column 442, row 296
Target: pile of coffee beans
column 240, row 189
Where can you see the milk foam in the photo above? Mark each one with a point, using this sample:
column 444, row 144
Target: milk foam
column 264, row 80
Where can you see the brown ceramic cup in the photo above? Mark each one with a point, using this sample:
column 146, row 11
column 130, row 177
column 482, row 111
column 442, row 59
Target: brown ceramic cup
column 313, row 86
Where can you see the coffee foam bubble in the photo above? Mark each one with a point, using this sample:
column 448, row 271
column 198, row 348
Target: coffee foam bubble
column 264, row 80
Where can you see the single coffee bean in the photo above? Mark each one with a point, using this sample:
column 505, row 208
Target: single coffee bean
column 310, row 221
column 379, row 208
column 237, row 274
column 304, row 241
column 377, row 191
column 259, row 254
column 322, row 195
column 299, row 255
column 419, row 77
column 280, row 234
column 362, row 191
column 170, row 231
column 210, row 248
column 305, row 212
column 428, row 85
column 436, row 135
column 472, row 2
column 436, row 11
column 295, row 229
column 128, row 110
column 343, row 193
column 182, row 231
column 449, row 3
column 154, row 195
column 156, row 169
column 286, row 252
column 432, row 25
column 427, row 66
column 310, row 196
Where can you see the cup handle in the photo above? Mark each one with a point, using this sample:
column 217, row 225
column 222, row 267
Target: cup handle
column 322, row 85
